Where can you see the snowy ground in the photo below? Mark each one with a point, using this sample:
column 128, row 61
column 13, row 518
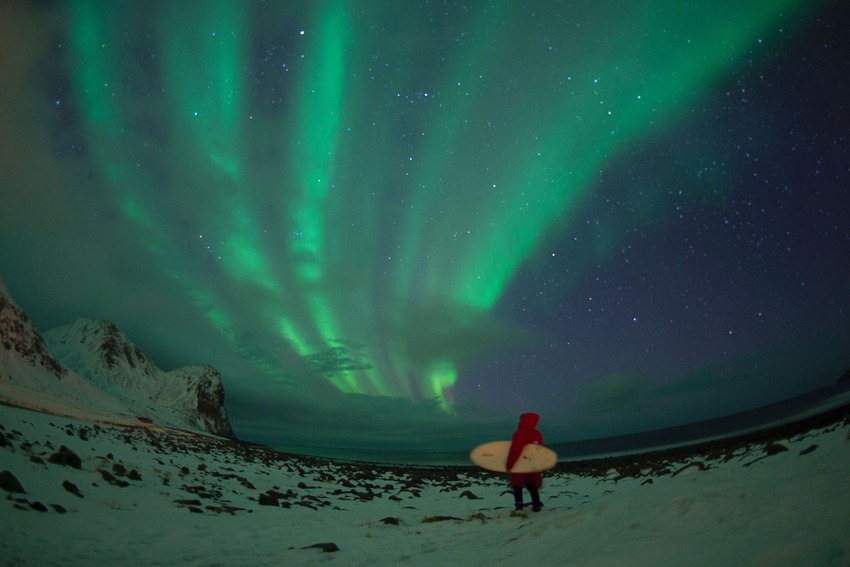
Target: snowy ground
column 147, row 496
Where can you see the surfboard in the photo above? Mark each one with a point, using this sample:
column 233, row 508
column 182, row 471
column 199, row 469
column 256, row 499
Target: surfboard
column 534, row 458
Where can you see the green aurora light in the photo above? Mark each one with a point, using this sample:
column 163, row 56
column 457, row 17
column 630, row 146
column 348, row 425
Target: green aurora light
column 350, row 192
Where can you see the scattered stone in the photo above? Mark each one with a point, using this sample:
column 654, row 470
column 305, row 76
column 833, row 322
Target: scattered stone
column 268, row 500
column 72, row 488
column 38, row 506
column 224, row 509
column 134, row 475
column 36, row 459
column 202, row 492
column 690, row 467
column 775, row 448
column 328, row 547
column 58, row 508
column 10, row 483
column 389, row 520
column 107, row 476
column 66, row 457
column 468, row 494
column 432, row 519
column 808, row 449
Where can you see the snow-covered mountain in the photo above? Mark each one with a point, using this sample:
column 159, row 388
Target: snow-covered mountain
column 22, row 343
column 102, row 354
column 91, row 369
column 30, row 376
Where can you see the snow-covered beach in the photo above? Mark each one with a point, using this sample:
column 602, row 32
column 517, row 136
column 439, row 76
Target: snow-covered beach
column 145, row 495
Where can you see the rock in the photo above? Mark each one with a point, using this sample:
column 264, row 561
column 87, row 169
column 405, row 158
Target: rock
column 328, row 547
column 107, row 476
column 66, row 457
column 690, row 467
column 268, row 500
column 72, row 488
column 775, row 448
column 808, row 449
column 18, row 335
column 10, row 483
column 38, row 506
column 389, row 520
column 432, row 519
column 468, row 494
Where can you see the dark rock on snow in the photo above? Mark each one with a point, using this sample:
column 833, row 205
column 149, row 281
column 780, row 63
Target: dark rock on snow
column 329, row 547
column 10, row 483
column 66, row 457
column 72, row 488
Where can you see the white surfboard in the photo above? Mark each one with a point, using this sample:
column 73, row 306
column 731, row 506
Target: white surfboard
column 534, row 458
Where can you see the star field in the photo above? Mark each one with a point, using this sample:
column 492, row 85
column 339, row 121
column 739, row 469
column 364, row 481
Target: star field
column 422, row 220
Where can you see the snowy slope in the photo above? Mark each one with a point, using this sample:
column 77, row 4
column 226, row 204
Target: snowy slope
column 190, row 397
column 146, row 496
column 30, row 376
column 92, row 371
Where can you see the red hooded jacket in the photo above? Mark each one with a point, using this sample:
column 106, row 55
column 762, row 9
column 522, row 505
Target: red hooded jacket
column 526, row 433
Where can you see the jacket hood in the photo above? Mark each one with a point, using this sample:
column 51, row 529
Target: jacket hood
column 528, row 420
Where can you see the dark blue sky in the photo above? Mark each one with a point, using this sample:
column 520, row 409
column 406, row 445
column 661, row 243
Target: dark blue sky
column 396, row 226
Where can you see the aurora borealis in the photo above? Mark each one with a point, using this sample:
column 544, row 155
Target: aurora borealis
column 432, row 216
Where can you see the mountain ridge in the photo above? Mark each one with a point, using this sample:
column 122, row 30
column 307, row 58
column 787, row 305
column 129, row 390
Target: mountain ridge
column 92, row 369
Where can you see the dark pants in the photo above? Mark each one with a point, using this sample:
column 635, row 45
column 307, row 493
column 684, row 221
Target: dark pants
column 532, row 490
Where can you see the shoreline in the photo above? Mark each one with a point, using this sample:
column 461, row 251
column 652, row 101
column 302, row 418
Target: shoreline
column 629, row 464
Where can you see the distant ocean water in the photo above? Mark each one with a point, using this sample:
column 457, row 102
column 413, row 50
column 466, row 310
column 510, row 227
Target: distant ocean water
column 772, row 415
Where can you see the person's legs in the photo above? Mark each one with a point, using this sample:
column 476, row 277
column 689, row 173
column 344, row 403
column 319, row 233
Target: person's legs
column 517, row 497
column 535, row 497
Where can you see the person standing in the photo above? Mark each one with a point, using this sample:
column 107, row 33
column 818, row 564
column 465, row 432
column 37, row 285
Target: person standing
column 526, row 433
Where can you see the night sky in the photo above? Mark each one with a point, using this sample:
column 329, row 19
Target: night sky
column 400, row 224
